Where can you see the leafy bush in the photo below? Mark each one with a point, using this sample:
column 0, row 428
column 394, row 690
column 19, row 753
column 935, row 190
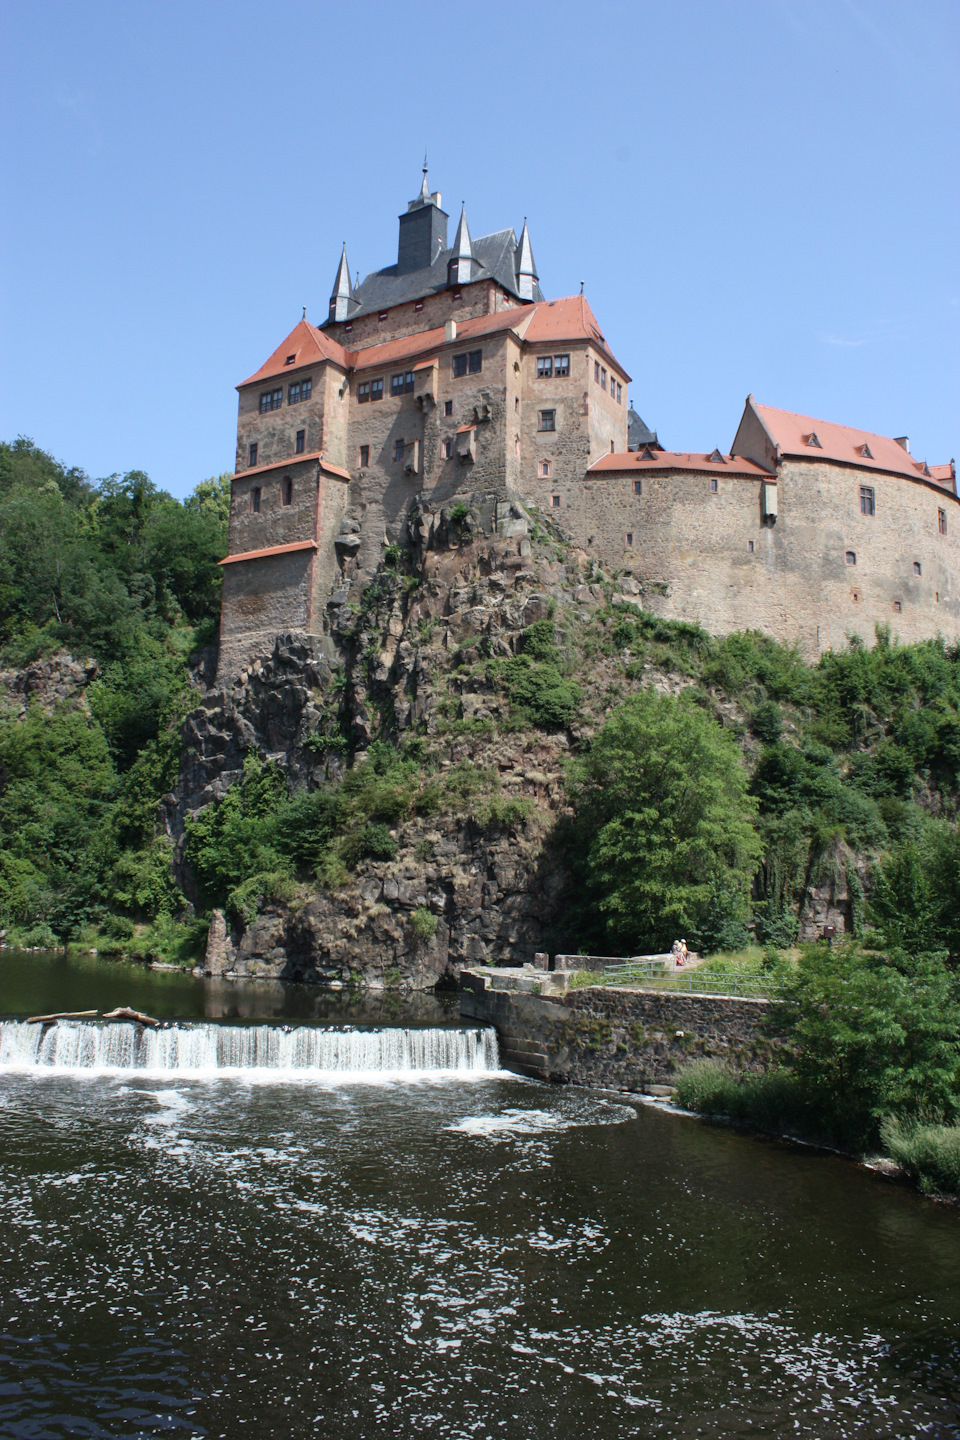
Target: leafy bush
column 423, row 923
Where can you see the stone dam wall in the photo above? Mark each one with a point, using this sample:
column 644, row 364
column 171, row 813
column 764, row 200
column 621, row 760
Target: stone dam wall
column 613, row 1038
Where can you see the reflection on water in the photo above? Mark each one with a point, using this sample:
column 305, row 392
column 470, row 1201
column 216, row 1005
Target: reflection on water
column 38, row 984
column 491, row 1258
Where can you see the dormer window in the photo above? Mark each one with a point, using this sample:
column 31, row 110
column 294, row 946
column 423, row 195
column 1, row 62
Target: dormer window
column 812, row 440
column 290, row 360
column 866, row 452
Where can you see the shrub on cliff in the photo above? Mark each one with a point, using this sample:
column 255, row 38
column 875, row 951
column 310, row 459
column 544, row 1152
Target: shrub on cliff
column 664, row 834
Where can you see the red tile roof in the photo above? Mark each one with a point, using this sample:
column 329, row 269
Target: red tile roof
column 294, row 460
column 271, row 550
column 308, row 346
column 844, row 444
column 550, row 322
column 554, row 321
column 638, row 461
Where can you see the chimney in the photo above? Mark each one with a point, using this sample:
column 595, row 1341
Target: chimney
column 450, row 330
column 903, row 441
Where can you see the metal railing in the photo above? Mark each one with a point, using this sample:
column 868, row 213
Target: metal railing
column 649, row 976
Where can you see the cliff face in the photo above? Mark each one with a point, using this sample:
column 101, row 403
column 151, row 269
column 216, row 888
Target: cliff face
column 394, row 663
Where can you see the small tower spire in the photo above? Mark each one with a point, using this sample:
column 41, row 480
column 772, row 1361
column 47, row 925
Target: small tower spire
column 344, row 298
column 525, row 266
column 461, row 263
column 424, row 188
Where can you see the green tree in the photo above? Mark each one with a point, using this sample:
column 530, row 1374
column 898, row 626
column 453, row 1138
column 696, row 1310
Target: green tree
column 665, row 824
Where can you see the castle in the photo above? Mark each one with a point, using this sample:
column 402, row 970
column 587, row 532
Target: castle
column 448, row 374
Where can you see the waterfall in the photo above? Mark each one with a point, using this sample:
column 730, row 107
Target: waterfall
column 203, row 1050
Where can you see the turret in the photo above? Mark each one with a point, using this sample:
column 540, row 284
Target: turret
column 461, row 265
column 525, row 266
column 343, row 301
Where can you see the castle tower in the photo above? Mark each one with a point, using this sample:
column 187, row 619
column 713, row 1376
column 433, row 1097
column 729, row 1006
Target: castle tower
column 343, row 300
column 526, row 268
column 460, row 267
column 423, row 231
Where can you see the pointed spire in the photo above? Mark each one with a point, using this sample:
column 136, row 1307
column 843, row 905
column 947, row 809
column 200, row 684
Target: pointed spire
column 343, row 297
column 525, row 266
column 425, row 188
column 460, row 265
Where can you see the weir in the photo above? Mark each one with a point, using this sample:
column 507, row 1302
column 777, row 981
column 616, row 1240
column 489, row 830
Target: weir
column 204, row 1049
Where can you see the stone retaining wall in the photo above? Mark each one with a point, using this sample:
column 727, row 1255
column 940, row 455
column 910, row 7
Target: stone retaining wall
column 615, row 1038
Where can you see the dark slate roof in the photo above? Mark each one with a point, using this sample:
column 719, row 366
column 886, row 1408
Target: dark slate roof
column 638, row 434
column 494, row 256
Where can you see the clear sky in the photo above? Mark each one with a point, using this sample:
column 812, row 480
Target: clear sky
column 759, row 195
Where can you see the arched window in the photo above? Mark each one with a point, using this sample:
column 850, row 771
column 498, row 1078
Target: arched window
column 286, row 490
column 851, row 557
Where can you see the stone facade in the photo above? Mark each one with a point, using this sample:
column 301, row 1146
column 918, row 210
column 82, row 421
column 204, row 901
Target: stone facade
column 445, row 387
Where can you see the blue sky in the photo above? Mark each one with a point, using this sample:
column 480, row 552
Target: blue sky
column 757, row 196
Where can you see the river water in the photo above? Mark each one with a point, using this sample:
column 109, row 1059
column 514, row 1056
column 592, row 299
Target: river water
column 229, row 1230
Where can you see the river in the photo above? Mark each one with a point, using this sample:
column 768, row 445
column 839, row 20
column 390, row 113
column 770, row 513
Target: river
column 367, row 1233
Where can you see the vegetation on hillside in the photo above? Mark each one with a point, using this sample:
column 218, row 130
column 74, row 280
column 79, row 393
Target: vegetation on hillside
column 119, row 572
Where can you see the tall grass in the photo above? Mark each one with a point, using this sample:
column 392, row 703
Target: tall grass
column 929, row 1153
column 777, row 1100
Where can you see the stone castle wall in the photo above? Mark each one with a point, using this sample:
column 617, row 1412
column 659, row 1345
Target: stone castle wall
column 691, row 551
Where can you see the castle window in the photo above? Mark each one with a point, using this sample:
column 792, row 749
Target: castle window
column 561, row 364
column 630, row 537
column 546, row 419
column 516, row 404
column 750, row 546
column 255, row 494
column 363, row 392
column 271, row 400
column 596, row 371
column 638, row 487
column 611, row 447
column 603, row 377
column 916, row 568
column 301, row 441
column 851, row 557
column 253, row 453
column 942, row 521
column 545, row 468
column 364, row 456
column 459, row 366
column 619, row 393
column 457, row 295
column 544, row 367
column 376, row 389
column 555, row 501
column 469, row 364
column 419, row 305
column 937, row 597
column 402, row 384
column 398, row 448
column 868, row 500
column 286, row 491
column 855, row 596
column 714, row 484
column 348, row 328
column 448, row 449
column 382, row 315
column 290, row 359
column 897, row 607
column 448, row 407
column 299, row 390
